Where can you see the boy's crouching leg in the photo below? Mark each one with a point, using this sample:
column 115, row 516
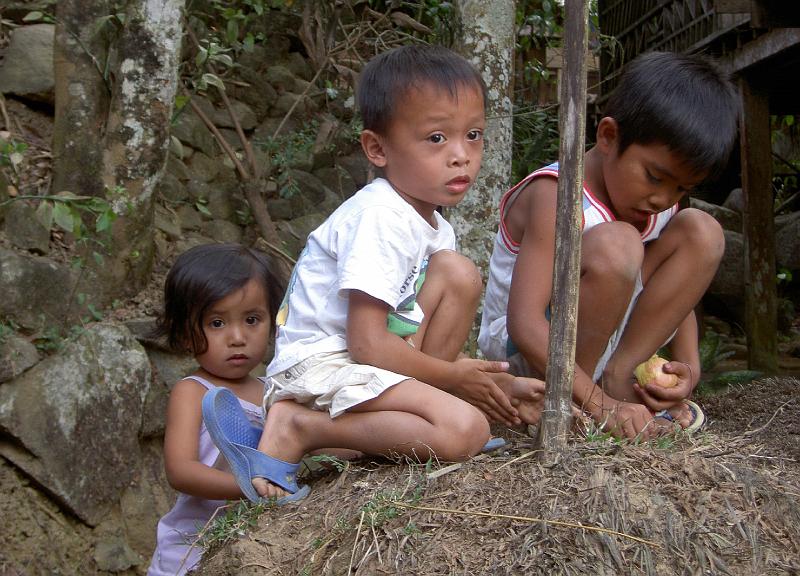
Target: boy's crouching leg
column 449, row 297
column 613, row 253
column 458, row 275
column 611, row 258
column 468, row 431
column 700, row 234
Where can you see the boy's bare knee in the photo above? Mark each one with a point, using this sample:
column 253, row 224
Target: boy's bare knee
column 613, row 249
column 702, row 232
column 460, row 272
column 468, row 432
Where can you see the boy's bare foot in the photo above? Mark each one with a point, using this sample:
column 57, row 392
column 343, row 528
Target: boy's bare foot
column 281, row 440
column 681, row 415
column 525, row 394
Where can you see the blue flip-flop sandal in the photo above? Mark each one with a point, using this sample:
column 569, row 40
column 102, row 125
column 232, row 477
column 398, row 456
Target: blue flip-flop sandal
column 493, row 444
column 698, row 417
column 235, row 436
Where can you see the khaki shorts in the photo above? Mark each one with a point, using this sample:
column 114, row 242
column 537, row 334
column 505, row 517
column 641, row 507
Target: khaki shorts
column 330, row 381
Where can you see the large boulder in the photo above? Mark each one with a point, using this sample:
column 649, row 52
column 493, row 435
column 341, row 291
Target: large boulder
column 190, row 129
column 735, row 201
column 76, row 417
column 787, row 241
column 27, row 68
column 16, row 356
column 25, row 230
column 36, row 291
column 725, row 295
column 729, row 219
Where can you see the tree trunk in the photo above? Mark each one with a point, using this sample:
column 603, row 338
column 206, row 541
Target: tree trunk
column 137, row 137
column 487, row 42
column 112, row 134
column 81, row 97
column 556, row 416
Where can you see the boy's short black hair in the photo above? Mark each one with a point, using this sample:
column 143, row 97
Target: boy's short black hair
column 681, row 100
column 388, row 76
column 204, row 275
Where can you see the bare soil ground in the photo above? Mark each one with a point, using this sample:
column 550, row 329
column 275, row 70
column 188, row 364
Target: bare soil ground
column 726, row 501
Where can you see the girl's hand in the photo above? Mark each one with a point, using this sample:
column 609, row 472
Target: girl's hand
column 659, row 398
column 474, row 385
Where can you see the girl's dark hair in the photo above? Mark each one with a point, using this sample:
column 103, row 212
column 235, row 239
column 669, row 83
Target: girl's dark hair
column 681, row 100
column 204, row 275
column 388, row 76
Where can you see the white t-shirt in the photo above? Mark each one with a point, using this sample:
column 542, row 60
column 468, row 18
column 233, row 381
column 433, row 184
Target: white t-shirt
column 375, row 242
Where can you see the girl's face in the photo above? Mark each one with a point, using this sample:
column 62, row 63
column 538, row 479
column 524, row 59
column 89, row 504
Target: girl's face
column 237, row 330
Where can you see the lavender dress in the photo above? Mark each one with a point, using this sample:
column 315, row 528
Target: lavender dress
column 178, row 528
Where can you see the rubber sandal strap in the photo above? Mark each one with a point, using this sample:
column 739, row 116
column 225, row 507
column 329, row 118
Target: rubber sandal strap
column 279, row 472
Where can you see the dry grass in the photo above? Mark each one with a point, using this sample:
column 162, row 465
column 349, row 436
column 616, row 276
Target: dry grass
column 697, row 506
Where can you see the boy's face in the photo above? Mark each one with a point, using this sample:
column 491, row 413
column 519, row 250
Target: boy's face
column 645, row 179
column 432, row 149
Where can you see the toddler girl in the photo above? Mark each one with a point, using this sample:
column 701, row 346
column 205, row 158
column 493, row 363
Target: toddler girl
column 220, row 301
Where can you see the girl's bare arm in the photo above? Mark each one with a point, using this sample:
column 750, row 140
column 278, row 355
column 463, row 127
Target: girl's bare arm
column 185, row 472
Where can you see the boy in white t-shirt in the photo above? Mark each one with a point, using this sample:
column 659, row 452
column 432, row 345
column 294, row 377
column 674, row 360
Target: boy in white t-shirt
column 379, row 304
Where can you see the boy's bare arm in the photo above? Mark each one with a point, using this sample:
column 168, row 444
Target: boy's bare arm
column 369, row 342
column 529, row 299
column 685, row 365
column 531, row 285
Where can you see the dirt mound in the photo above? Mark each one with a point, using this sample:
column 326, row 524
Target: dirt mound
column 702, row 505
column 766, row 410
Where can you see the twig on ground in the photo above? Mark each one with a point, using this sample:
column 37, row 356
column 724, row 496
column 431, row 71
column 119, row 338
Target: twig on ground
column 527, row 519
column 4, row 112
column 517, row 459
column 355, row 543
column 759, row 429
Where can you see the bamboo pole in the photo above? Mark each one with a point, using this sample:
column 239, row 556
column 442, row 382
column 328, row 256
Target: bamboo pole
column 557, row 416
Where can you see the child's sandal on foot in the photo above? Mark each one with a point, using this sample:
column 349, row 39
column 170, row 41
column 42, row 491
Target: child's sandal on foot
column 232, row 432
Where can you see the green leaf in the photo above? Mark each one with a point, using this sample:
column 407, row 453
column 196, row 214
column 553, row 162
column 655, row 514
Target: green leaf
column 223, row 59
column 33, row 16
column 181, row 101
column 98, row 258
column 214, row 80
column 202, row 209
column 96, row 314
column 104, row 220
column 63, row 217
column 232, row 31
column 202, row 56
column 248, row 42
column 44, row 213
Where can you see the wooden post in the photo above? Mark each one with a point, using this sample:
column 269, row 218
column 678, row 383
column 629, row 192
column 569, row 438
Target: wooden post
column 759, row 230
column 557, row 414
